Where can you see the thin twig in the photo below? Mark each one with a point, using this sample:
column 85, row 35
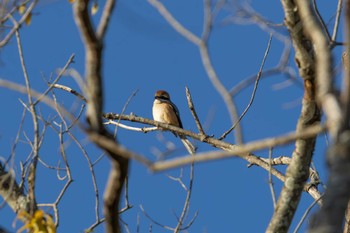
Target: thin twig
column 48, row 101
column 154, row 221
column 271, row 181
column 109, row 144
column 104, row 21
column 213, row 76
column 231, row 106
column 208, row 21
column 104, row 141
column 93, row 176
column 254, row 90
column 124, row 109
column 68, row 173
column 32, row 173
column 287, row 71
column 282, row 68
column 187, row 202
column 62, row 71
column 285, row 160
column 109, row 122
column 320, row 19
column 14, row 145
column 137, row 129
column 337, row 19
column 94, row 225
column 18, row 24
column 180, row 220
column 307, row 211
column 174, row 23
column 70, row 90
column 193, row 111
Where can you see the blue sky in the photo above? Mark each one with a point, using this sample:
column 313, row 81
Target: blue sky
column 142, row 52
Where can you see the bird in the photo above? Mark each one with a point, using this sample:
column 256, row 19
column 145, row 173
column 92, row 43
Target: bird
column 164, row 110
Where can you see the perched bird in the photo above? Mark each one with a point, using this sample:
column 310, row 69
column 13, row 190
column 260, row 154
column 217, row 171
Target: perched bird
column 166, row 111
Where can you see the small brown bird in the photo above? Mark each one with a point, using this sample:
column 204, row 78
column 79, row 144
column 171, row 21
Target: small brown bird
column 166, row 111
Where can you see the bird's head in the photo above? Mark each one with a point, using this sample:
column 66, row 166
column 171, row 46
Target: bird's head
column 162, row 95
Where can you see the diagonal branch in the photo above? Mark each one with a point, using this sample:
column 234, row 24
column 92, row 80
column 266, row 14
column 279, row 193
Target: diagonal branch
column 297, row 172
column 11, row 193
column 106, row 16
column 193, row 111
column 36, row 146
column 254, row 90
column 174, row 23
column 243, row 151
column 18, row 24
column 337, row 19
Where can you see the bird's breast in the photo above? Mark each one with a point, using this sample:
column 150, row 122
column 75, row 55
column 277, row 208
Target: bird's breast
column 163, row 112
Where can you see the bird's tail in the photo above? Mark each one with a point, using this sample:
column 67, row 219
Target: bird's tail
column 189, row 146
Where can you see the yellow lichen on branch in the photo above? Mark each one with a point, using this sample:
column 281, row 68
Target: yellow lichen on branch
column 40, row 222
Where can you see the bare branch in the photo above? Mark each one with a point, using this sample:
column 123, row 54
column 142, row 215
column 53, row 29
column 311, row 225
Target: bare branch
column 93, row 177
column 93, row 48
column 307, row 211
column 320, row 20
column 254, row 90
column 206, row 60
column 18, row 25
column 106, row 15
column 70, row 90
column 193, row 111
column 137, row 129
column 32, row 171
column 180, row 220
column 337, row 19
column 124, row 109
column 93, row 64
column 110, row 145
column 187, row 203
column 174, row 23
column 330, row 218
column 112, row 194
column 241, row 150
column 70, row 60
column 298, row 171
column 231, row 150
column 154, row 221
column 267, row 73
column 271, row 181
column 48, row 101
column 324, row 70
column 11, row 193
column 285, row 160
